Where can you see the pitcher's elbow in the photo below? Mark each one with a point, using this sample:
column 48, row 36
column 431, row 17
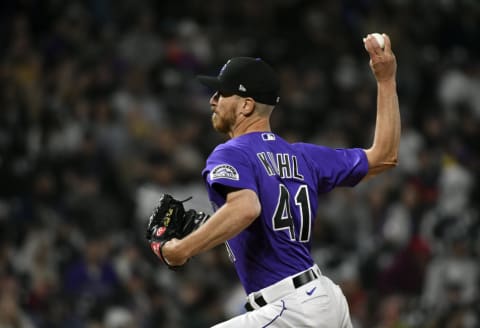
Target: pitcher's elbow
column 389, row 163
column 381, row 159
column 393, row 161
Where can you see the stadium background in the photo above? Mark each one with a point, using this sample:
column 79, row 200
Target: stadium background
column 100, row 112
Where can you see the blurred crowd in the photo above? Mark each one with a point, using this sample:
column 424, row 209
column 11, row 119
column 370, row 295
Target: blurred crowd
column 100, row 113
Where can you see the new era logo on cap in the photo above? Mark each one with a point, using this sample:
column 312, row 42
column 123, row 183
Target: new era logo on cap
column 246, row 77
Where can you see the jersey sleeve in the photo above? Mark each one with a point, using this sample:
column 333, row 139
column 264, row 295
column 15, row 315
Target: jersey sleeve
column 229, row 167
column 337, row 167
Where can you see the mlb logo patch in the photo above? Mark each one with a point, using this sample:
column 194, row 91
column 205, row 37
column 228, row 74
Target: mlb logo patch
column 224, row 171
column 268, row 136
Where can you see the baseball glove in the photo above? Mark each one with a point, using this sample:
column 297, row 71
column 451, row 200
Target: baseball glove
column 170, row 220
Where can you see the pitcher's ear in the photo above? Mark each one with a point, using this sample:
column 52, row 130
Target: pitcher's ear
column 248, row 106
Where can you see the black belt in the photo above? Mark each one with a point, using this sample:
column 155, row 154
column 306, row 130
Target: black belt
column 300, row 280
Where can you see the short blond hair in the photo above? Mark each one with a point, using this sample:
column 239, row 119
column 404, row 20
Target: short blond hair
column 263, row 109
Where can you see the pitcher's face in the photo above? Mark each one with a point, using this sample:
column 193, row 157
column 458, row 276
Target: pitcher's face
column 223, row 112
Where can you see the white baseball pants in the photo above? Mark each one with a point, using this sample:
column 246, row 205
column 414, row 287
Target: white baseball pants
column 319, row 303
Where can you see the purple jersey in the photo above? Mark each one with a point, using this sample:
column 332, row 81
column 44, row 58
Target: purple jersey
column 287, row 179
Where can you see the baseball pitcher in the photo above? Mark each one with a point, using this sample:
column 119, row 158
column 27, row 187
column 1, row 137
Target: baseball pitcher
column 265, row 193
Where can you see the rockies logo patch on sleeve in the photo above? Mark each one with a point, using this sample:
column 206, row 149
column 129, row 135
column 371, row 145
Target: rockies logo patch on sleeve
column 224, row 171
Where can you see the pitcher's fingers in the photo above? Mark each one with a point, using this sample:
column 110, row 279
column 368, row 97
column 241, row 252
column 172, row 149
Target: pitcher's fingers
column 388, row 44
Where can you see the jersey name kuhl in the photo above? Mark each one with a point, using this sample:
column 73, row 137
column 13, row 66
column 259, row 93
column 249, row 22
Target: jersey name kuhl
column 287, row 179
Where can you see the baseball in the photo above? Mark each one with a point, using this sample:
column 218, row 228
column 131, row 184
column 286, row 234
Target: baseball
column 380, row 39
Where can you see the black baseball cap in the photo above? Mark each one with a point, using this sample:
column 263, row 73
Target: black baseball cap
column 246, row 77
